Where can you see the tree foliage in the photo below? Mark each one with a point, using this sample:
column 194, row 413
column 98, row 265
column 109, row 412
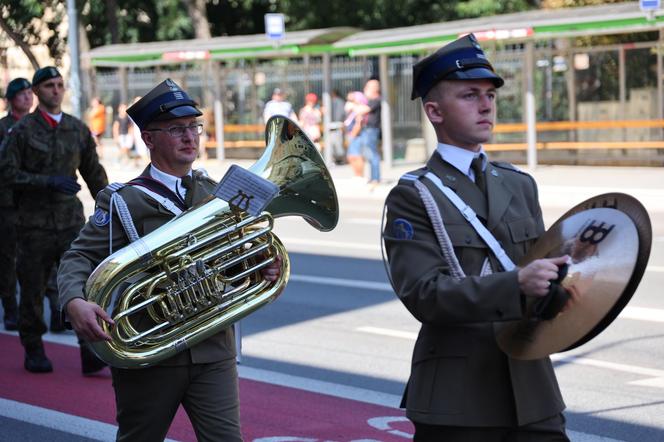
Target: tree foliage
column 22, row 21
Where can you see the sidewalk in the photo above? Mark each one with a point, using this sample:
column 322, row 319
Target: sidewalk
column 560, row 186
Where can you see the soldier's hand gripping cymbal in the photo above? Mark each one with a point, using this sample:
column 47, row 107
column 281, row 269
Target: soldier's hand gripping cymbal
column 535, row 278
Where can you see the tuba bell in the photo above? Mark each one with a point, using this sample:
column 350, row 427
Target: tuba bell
column 200, row 272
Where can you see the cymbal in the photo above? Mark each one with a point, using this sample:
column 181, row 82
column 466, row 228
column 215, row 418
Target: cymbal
column 608, row 240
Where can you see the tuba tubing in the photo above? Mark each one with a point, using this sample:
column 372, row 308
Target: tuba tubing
column 199, row 273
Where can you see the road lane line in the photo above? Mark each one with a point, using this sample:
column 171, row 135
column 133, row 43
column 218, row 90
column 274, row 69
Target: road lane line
column 625, row 368
column 321, row 387
column 643, row 314
column 388, row 332
column 341, row 282
column 332, row 244
column 55, row 420
column 655, row 376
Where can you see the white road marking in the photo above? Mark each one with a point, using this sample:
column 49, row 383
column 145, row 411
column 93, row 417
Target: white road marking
column 311, row 243
column 643, row 314
column 388, row 332
column 655, row 376
column 341, row 282
column 322, row 387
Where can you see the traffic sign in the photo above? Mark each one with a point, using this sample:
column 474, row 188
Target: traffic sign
column 275, row 28
column 649, row 5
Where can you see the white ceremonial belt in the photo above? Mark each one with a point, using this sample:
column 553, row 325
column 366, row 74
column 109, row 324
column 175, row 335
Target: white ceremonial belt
column 469, row 214
column 165, row 202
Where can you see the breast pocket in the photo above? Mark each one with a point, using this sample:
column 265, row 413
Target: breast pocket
column 469, row 248
column 38, row 153
column 523, row 233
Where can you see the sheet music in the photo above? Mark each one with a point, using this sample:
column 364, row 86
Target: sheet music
column 246, row 190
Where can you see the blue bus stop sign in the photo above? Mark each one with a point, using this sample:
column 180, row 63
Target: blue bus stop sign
column 274, row 26
column 649, row 5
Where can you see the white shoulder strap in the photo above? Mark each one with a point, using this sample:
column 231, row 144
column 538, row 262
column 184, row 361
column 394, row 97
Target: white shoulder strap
column 472, row 218
column 165, row 202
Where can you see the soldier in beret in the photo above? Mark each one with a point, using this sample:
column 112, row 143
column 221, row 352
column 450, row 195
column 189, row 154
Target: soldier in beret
column 462, row 387
column 19, row 97
column 202, row 378
column 40, row 158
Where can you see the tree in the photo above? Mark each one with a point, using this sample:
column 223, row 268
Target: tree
column 23, row 21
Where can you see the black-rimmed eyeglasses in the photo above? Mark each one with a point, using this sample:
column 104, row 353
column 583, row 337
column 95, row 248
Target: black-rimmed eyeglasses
column 178, row 131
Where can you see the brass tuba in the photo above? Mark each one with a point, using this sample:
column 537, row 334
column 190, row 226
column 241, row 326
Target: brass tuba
column 200, row 272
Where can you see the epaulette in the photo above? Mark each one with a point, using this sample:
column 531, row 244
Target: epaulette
column 413, row 175
column 508, row 166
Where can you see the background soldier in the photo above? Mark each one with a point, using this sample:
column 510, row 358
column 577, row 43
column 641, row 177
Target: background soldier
column 40, row 157
column 19, row 98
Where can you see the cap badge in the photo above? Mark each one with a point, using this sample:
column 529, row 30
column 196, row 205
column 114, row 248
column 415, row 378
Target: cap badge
column 171, row 84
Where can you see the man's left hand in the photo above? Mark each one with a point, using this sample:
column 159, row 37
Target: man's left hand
column 271, row 273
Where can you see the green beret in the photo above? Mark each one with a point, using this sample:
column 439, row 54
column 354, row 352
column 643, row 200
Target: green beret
column 15, row 86
column 44, row 74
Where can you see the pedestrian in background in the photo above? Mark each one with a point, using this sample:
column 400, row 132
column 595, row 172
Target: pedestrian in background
column 278, row 106
column 355, row 100
column 462, row 386
column 311, row 118
column 19, row 97
column 123, row 133
column 337, row 116
column 202, row 378
column 40, row 158
column 370, row 131
column 97, row 122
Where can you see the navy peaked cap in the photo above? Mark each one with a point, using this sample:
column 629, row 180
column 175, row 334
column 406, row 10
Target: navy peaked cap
column 45, row 73
column 463, row 59
column 166, row 101
column 15, row 86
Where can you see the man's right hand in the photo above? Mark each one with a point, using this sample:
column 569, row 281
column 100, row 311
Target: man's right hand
column 83, row 317
column 535, row 278
column 64, row 184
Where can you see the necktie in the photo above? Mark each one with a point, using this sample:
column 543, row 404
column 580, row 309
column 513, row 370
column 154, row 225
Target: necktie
column 480, row 181
column 188, row 183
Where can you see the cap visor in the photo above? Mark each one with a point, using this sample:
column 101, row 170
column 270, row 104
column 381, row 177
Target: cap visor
column 179, row 112
column 477, row 74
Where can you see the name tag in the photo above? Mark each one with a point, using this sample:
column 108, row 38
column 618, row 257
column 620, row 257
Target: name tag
column 245, row 190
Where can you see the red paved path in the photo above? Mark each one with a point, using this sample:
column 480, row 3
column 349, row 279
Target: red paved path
column 268, row 411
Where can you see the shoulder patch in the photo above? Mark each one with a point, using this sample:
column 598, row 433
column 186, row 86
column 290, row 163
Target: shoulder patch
column 101, row 217
column 402, row 229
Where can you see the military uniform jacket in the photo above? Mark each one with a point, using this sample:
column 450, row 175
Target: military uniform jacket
column 6, row 191
column 32, row 152
column 92, row 247
column 459, row 376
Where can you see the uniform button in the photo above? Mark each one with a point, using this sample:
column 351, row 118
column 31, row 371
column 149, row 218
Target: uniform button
column 432, row 349
column 527, row 234
column 499, row 313
column 468, row 240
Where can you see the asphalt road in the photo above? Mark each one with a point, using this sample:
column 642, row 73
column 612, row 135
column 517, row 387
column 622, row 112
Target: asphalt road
column 338, row 328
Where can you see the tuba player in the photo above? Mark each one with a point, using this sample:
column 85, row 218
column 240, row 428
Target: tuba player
column 203, row 378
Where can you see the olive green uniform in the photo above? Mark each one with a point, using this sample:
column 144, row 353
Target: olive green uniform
column 47, row 220
column 459, row 375
column 7, row 233
column 203, row 378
